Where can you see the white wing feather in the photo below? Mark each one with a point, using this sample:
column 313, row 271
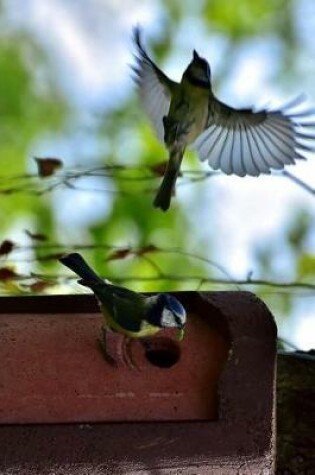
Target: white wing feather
column 247, row 142
column 154, row 87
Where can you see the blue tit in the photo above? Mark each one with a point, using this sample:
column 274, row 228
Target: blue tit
column 127, row 312
column 236, row 141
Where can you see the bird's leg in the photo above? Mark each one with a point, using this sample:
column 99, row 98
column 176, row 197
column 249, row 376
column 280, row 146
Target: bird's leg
column 127, row 353
column 106, row 341
column 116, row 349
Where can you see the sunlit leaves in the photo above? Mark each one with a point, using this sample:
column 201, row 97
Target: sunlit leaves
column 245, row 17
column 299, row 229
column 146, row 250
column 27, row 112
column 12, row 84
column 306, row 266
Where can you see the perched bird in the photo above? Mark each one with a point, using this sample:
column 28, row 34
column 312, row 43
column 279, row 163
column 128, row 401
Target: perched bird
column 236, row 141
column 127, row 312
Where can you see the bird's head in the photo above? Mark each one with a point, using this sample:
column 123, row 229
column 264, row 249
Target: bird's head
column 198, row 71
column 168, row 312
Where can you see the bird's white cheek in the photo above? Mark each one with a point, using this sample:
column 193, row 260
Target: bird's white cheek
column 167, row 318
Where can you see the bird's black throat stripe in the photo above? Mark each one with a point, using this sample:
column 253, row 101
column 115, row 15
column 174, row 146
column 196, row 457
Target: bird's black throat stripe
column 203, row 83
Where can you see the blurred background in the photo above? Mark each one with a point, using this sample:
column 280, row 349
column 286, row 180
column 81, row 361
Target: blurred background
column 66, row 93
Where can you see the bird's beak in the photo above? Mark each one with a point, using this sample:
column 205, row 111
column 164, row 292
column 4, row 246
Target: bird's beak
column 195, row 55
column 180, row 334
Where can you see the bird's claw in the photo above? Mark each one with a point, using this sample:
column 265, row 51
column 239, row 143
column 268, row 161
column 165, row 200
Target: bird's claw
column 127, row 354
column 102, row 346
column 122, row 349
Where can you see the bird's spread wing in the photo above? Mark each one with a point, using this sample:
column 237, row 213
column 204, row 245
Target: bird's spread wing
column 154, row 86
column 247, row 142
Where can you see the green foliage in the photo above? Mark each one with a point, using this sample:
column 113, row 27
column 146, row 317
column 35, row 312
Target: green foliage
column 306, row 266
column 26, row 113
column 293, row 248
column 247, row 17
column 299, row 229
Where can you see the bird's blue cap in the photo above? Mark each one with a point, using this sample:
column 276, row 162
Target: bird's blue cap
column 173, row 304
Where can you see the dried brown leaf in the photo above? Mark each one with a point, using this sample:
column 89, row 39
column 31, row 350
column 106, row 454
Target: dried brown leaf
column 160, row 168
column 36, row 236
column 7, row 274
column 47, row 166
column 119, row 254
column 6, row 247
column 146, row 250
column 40, row 285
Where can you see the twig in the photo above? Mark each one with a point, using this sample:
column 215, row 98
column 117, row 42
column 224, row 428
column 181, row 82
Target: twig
column 32, row 184
column 176, row 279
column 299, row 182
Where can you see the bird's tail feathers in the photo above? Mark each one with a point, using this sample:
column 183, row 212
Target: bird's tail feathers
column 77, row 264
column 167, row 187
column 164, row 194
column 90, row 283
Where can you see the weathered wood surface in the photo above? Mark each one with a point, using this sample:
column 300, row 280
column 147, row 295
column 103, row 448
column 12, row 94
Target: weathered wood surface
column 296, row 414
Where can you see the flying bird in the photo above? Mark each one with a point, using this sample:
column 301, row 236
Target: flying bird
column 236, row 141
column 124, row 311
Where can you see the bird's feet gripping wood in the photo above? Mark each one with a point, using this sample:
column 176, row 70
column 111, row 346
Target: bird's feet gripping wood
column 116, row 349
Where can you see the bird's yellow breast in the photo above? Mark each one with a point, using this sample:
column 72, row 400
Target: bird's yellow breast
column 146, row 328
column 190, row 106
